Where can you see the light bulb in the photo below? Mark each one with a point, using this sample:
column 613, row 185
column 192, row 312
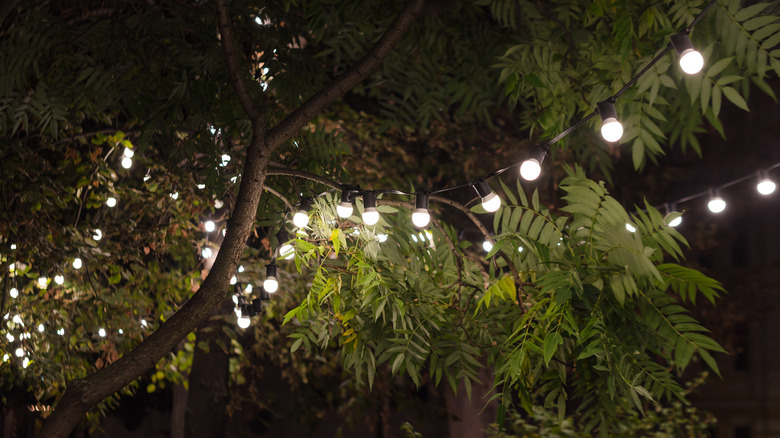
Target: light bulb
column 766, row 187
column 19, row 352
column 370, row 216
column 225, row 160
column 111, row 202
column 241, row 268
column 59, row 279
column 491, row 203
column 243, row 322
column 121, row 332
column 716, row 204
column 301, row 219
column 14, row 292
column 77, row 263
column 206, row 253
column 10, row 337
column 17, row 320
column 127, row 162
column 13, row 246
column 41, row 328
column 26, row 362
column 209, row 226
column 98, row 235
column 248, row 289
column 12, row 267
column 128, row 152
column 421, row 218
column 287, row 251
column 344, row 210
column 42, row 282
column 201, row 186
column 174, row 195
column 270, row 284
column 381, row 237
column 675, row 222
column 233, row 280
column 611, row 130
column 102, row 332
column 530, row 169
column 487, row 246
column 691, row 61
column 61, row 331
column 630, row 228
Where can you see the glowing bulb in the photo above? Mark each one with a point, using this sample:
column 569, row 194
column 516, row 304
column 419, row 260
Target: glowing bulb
column 287, row 251
column 233, row 280
column 675, row 222
column 209, row 226
column 13, row 292
column 487, row 246
column 127, row 162
column 270, row 284
column 421, row 217
column 218, row 204
column 370, row 216
column 10, row 337
column 174, row 195
column 530, row 169
column 766, row 187
column 121, row 332
column 716, row 204
column 13, row 246
column 491, row 202
column 59, row 279
column 77, row 263
column 41, row 328
column 225, row 160
column 235, row 300
column 206, row 253
column 26, row 362
column 344, row 210
column 98, row 235
column 61, row 332
column 243, row 322
column 201, row 186
column 241, row 268
column 17, row 320
column 248, row 289
column 12, row 267
column 111, row 202
column 381, row 237
column 630, row 228
column 5, row 357
column 691, row 61
column 102, row 333
column 301, row 219
column 128, row 152
column 611, row 130
column 19, row 352
column 42, row 282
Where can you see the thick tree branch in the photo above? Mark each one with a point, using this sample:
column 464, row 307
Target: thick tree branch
column 359, row 71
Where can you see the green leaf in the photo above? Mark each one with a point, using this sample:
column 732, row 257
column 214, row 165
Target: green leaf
column 551, row 345
column 735, row 98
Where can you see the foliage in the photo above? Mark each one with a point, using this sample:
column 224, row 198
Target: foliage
column 591, row 306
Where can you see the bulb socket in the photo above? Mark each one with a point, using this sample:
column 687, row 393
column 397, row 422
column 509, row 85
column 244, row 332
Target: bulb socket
column 483, row 188
column 270, row 270
column 305, row 204
column 257, row 305
column 681, row 42
column 369, row 199
column 421, row 201
column 282, row 237
column 264, row 295
column 606, row 110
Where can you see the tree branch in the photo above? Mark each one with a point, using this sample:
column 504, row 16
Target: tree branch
column 359, row 71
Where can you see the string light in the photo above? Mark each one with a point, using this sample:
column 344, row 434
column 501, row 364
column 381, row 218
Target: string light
column 98, row 235
column 128, row 152
column 285, row 249
column 42, row 282
column 19, row 352
column 421, row 218
column 111, row 202
column 487, row 245
column 102, row 332
column 765, row 185
column 490, row 201
column 532, row 166
column 225, row 160
column 611, row 129
column 301, row 217
column 370, row 214
column 243, row 322
column 127, row 162
column 209, row 226
column 271, row 284
column 77, row 263
column 344, row 209
column 716, row 204
column 59, row 279
column 13, row 292
column 41, row 328
column 630, row 228
column 206, row 253
column 691, row 61
column 233, row 280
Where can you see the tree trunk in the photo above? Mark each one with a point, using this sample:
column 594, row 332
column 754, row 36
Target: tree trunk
column 208, row 393
column 470, row 418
